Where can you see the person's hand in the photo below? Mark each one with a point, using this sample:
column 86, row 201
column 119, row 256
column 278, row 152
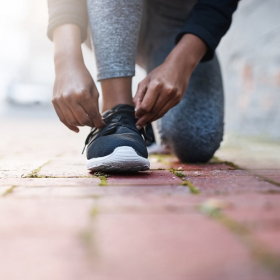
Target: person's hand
column 161, row 90
column 75, row 97
column 165, row 86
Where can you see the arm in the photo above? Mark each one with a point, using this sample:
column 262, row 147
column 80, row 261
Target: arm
column 75, row 97
column 68, row 11
column 165, row 86
column 209, row 21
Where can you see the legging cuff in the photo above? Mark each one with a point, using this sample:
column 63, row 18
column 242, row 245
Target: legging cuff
column 115, row 74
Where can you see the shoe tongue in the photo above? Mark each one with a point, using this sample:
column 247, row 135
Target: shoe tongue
column 117, row 108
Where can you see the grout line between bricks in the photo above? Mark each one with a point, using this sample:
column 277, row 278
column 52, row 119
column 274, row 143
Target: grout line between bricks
column 8, row 191
column 103, row 178
column 235, row 166
column 34, row 173
column 229, row 163
column 268, row 259
column 193, row 189
column 89, row 235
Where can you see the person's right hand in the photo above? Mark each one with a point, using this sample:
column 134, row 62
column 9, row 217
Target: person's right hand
column 75, row 96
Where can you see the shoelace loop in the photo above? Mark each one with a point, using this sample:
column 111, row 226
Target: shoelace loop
column 119, row 120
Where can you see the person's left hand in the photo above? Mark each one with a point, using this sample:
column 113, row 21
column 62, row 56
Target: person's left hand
column 165, row 86
column 161, row 90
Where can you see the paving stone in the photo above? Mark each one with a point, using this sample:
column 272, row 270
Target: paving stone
column 16, row 168
column 3, row 190
column 228, row 181
column 187, row 247
column 168, row 162
column 66, row 167
column 250, row 153
column 259, row 213
column 50, row 182
column 41, row 239
column 160, row 177
column 270, row 174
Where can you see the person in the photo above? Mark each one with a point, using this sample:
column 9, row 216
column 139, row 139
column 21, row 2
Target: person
column 182, row 94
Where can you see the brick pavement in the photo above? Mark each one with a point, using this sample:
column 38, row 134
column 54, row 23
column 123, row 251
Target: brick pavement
column 219, row 220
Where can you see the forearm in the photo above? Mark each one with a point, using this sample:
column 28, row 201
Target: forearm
column 67, row 45
column 187, row 53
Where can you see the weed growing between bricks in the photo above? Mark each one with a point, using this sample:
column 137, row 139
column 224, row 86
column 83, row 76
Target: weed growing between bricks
column 9, row 191
column 103, row 178
column 34, row 173
column 214, row 209
column 193, row 189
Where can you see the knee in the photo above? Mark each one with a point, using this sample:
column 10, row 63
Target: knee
column 194, row 153
column 194, row 148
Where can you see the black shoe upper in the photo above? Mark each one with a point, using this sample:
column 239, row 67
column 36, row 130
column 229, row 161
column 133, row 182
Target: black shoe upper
column 120, row 130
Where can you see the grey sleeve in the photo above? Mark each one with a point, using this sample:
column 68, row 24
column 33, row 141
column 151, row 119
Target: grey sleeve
column 68, row 11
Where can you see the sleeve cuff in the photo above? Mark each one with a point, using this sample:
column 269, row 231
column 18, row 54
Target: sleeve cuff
column 66, row 20
column 204, row 35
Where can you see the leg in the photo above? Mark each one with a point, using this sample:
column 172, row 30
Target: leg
column 193, row 129
column 118, row 146
column 115, row 27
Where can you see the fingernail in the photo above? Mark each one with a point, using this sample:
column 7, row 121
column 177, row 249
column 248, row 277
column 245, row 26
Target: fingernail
column 138, row 127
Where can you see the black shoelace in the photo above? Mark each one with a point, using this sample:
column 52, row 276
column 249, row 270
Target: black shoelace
column 119, row 120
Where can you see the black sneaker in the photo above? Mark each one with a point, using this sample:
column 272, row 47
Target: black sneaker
column 119, row 146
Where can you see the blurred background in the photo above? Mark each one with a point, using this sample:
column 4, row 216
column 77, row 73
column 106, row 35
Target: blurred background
column 249, row 55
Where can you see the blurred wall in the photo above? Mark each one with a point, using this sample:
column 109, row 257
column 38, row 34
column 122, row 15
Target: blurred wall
column 250, row 59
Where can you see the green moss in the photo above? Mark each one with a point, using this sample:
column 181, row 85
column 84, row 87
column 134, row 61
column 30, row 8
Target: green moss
column 193, row 189
column 9, row 191
column 94, row 211
column 103, row 178
column 34, row 173
column 229, row 163
column 258, row 251
column 177, row 173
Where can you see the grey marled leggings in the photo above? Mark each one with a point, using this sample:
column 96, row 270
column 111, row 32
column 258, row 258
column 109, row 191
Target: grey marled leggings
column 144, row 31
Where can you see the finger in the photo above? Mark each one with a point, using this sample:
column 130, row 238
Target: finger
column 82, row 117
column 141, row 91
column 62, row 118
column 164, row 110
column 68, row 114
column 149, row 99
column 91, row 108
column 160, row 103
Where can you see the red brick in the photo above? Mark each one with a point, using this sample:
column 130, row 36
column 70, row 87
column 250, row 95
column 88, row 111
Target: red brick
column 40, row 239
column 228, row 181
column 259, row 213
column 270, row 174
column 50, row 182
column 147, row 178
column 168, row 162
column 136, row 247
column 66, row 167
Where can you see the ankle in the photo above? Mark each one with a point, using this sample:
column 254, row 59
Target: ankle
column 109, row 104
column 116, row 91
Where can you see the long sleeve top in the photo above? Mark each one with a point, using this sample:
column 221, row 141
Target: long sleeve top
column 209, row 20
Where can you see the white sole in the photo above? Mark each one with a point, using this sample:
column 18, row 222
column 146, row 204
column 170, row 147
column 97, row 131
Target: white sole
column 123, row 159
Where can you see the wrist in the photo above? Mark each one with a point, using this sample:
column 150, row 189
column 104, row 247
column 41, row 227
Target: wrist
column 187, row 53
column 67, row 46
